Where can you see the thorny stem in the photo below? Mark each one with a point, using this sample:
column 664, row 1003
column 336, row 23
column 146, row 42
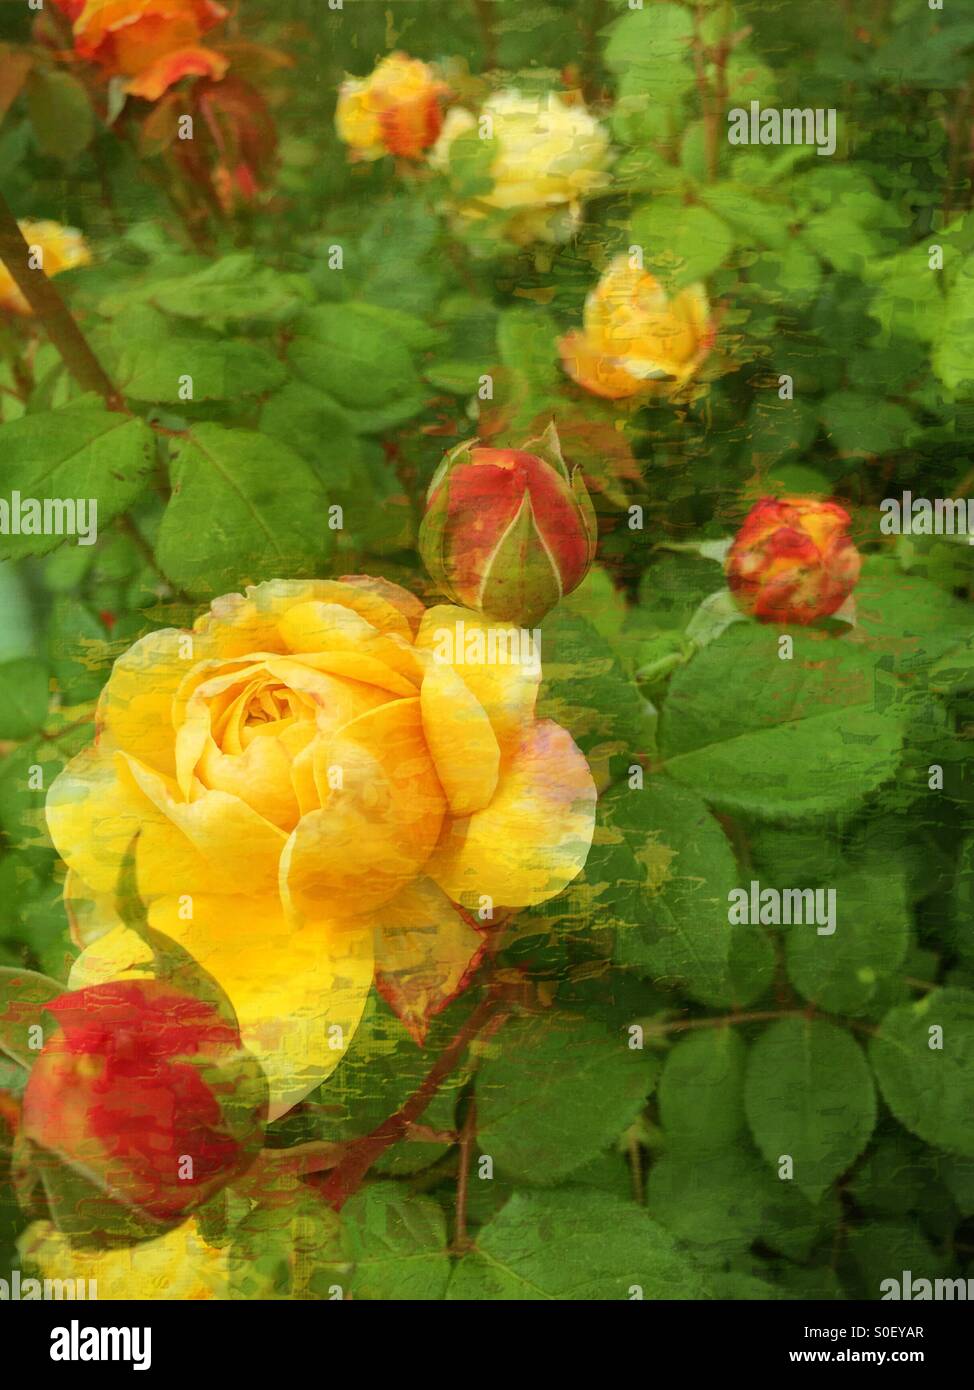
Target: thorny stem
column 468, row 1134
column 53, row 313
column 360, row 1155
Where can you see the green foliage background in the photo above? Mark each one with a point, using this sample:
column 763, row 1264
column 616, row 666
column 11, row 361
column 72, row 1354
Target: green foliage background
column 613, row 1167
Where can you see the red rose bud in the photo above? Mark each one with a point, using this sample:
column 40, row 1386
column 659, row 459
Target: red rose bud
column 509, row 531
column 793, row 560
column 148, row 1093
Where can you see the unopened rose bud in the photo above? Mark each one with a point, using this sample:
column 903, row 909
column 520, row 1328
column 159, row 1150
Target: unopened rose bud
column 395, row 110
column 793, row 560
column 509, row 531
column 148, row 1092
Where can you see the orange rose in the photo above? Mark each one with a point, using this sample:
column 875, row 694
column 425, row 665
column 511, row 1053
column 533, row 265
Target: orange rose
column 395, row 110
column 635, row 340
column 153, row 43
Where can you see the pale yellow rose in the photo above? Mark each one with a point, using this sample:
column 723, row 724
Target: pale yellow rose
column 319, row 774
column 177, row 1267
column 550, row 154
column 395, row 110
column 61, row 248
column 635, row 340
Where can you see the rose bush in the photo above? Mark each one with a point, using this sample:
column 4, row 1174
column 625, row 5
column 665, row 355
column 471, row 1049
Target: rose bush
column 319, row 797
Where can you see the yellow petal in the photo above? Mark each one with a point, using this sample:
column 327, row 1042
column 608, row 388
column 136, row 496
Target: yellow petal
column 507, row 690
column 241, row 849
column 238, row 624
column 178, row 1266
column 298, row 992
column 376, row 831
column 117, row 954
column 136, row 704
column 424, row 953
column 94, row 808
column 533, row 838
column 459, row 736
column 310, row 628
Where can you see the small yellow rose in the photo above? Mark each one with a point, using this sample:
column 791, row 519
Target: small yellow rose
column 551, row 154
column 635, row 340
column 177, row 1267
column 322, row 775
column 395, row 110
column 54, row 248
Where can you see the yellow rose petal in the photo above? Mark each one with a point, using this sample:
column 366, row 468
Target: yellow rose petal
column 533, row 838
column 298, row 993
column 506, row 690
column 377, row 828
column 178, row 1266
column 424, row 952
column 463, row 744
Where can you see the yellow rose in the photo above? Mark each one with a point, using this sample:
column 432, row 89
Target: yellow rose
column 178, row 1266
column 320, row 774
column 395, row 110
column 62, row 248
column 551, row 155
column 635, row 340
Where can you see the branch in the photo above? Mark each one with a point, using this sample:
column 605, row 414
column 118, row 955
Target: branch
column 362, row 1153
column 53, row 313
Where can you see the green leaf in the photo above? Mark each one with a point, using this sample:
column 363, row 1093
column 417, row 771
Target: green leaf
column 574, row 1244
column 23, row 697
column 809, row 1095
column 684, row 240
column 554, row 1092
column 316, row 427
column 221, row 370
column 263, row 512
column 23, row 995
column 361, row 361
column 701, row 1090
column 859, row 424
column 930, row 1088
column 586, row 690
column 397, row 1243
column 668, row 896
column 60, row 112
column 654, row 43
column 235, row 289
column 954, row 344
column 83, row 451
column 779, row 739
column 845, row 972
column 291, row 1250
